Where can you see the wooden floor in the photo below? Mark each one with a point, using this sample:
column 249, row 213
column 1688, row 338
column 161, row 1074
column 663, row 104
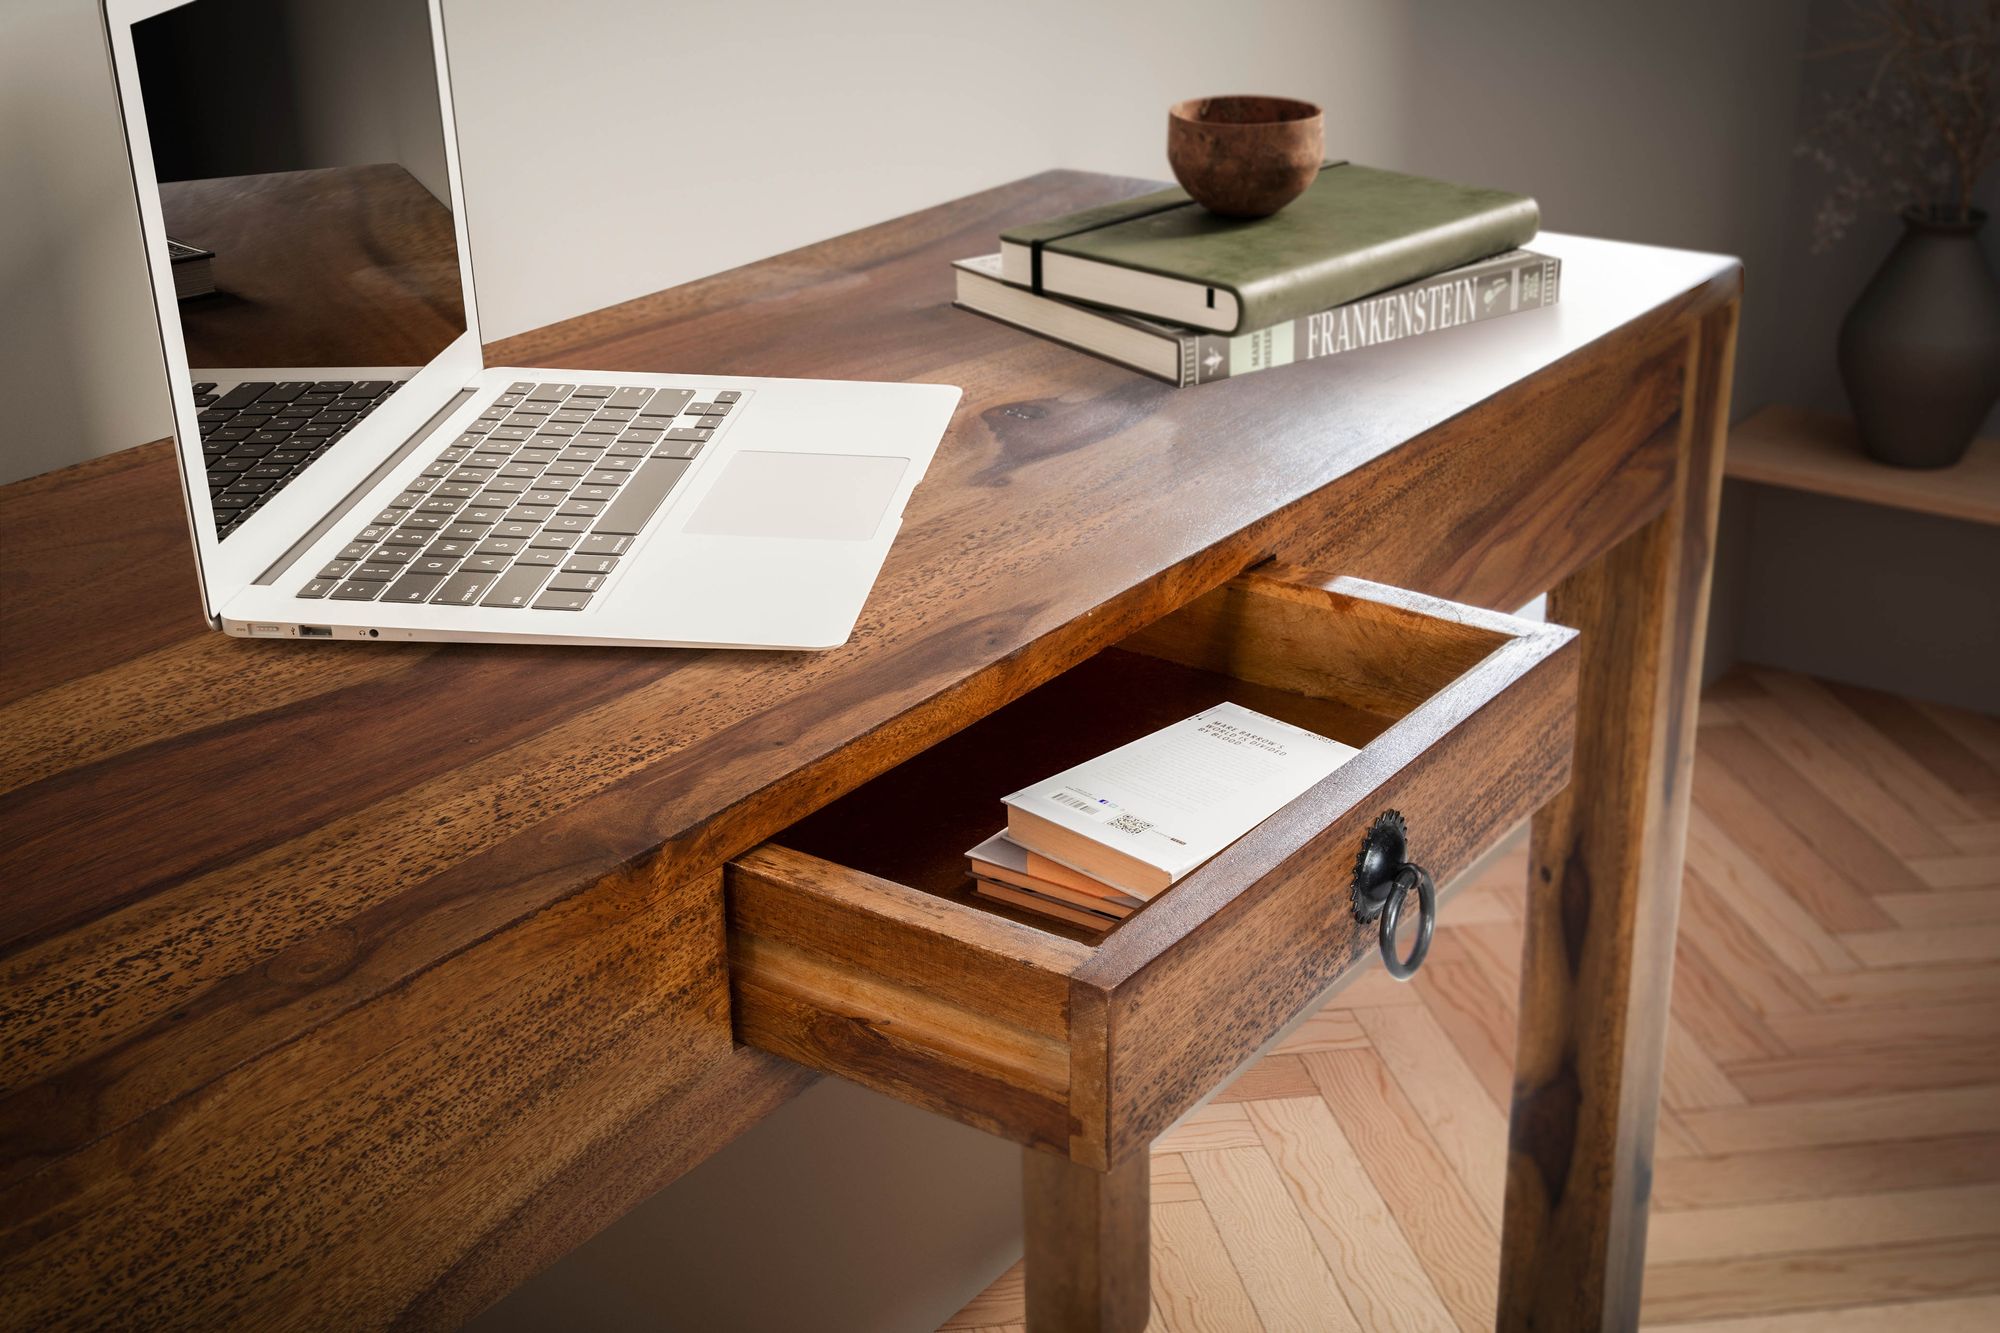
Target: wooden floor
column 1829, row 1154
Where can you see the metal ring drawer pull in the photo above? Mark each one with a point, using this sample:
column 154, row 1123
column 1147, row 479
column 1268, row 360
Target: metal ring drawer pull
column 1383, row 878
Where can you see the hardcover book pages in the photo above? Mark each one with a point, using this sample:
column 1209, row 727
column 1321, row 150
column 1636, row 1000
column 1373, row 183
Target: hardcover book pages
column 1142, row 816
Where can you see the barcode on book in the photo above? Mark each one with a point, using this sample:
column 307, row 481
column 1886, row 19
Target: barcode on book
column 1076, row 801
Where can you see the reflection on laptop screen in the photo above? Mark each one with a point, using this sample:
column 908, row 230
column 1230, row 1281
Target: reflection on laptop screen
column 301, row 163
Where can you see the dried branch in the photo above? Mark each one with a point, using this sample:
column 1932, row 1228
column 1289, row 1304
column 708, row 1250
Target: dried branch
column 1923, row 126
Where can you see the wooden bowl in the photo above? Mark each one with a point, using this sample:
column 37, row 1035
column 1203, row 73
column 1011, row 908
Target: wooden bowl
column 1245, row 157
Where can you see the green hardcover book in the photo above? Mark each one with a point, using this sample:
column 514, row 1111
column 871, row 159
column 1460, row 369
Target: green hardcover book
column 1356, row 230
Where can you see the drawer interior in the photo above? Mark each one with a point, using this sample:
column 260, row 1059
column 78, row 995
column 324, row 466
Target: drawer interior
column 858, row 947
column 1349, row 674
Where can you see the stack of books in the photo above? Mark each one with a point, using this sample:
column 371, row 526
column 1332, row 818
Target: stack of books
column 1099, row 840
column 1363, row 257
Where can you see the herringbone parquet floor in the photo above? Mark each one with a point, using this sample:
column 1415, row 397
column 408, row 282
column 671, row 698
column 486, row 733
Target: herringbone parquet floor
column 1829, row 1151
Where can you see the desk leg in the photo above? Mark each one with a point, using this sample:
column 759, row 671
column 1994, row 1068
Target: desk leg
column 1604, row 899
column 1088, row 1269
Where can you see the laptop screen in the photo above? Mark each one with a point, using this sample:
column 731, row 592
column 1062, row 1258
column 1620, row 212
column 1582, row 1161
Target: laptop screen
column 299, row 149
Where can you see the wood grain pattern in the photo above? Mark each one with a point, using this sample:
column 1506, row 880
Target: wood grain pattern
column 431, row 819
column 1598, row 954
column 1088, row 1236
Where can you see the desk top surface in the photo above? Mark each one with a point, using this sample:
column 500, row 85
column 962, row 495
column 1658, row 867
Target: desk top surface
column 211, row 844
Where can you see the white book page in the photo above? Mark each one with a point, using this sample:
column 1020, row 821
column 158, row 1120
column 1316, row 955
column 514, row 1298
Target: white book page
column 1177, row 797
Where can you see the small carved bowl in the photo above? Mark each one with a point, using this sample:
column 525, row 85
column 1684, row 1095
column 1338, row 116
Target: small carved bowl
column 1245, row 157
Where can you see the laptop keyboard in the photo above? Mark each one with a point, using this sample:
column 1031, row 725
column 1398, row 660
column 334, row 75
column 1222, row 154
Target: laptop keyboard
column 534, row 505
column 260, row 435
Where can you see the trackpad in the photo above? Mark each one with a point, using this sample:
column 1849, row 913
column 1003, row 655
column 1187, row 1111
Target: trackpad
column 827, row 497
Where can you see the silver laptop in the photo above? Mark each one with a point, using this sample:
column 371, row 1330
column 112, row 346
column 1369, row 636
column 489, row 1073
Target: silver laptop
column 353, row 469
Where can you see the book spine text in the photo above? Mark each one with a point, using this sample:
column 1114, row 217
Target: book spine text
column 1444, row 302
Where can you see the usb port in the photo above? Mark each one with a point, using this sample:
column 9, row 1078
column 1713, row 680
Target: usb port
column 315, row 631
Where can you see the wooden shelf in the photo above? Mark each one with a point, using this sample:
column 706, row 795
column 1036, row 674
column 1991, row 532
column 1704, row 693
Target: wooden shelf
column 1819, row 452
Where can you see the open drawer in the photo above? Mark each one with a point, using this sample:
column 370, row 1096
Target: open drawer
column 857, row 946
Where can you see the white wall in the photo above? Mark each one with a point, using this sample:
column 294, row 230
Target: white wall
column 79, row 351
column 624, row 146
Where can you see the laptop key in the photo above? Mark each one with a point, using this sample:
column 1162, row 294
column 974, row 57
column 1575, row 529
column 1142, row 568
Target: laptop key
column 530, row 514
column 486, row 564
column 558, row 541
column 590, row 564
column 373, row 573
column 516, row 586
column 678, row 449
column 432, row 564
column 242, row 395
column 534, row 556
column 635, row 504
column 336, row 569
column 357, row 592
column 483, row 514
column 604, row 543
column 562, row 601
column 549, row 393
column 568, row 582
column 582, row 508
column 463, row 589
column 501, row 546
column 413, row 588
column 392, row 555
column 667, row 403
column 728, row 396
column 629, row 397
column 317, row 588
column 467, row 532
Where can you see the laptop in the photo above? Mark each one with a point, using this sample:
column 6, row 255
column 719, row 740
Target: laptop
column 353, row 470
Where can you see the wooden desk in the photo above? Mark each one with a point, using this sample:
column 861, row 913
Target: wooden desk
column 344, row 985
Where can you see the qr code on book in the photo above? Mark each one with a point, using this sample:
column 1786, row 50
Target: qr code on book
column 1130, row 824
